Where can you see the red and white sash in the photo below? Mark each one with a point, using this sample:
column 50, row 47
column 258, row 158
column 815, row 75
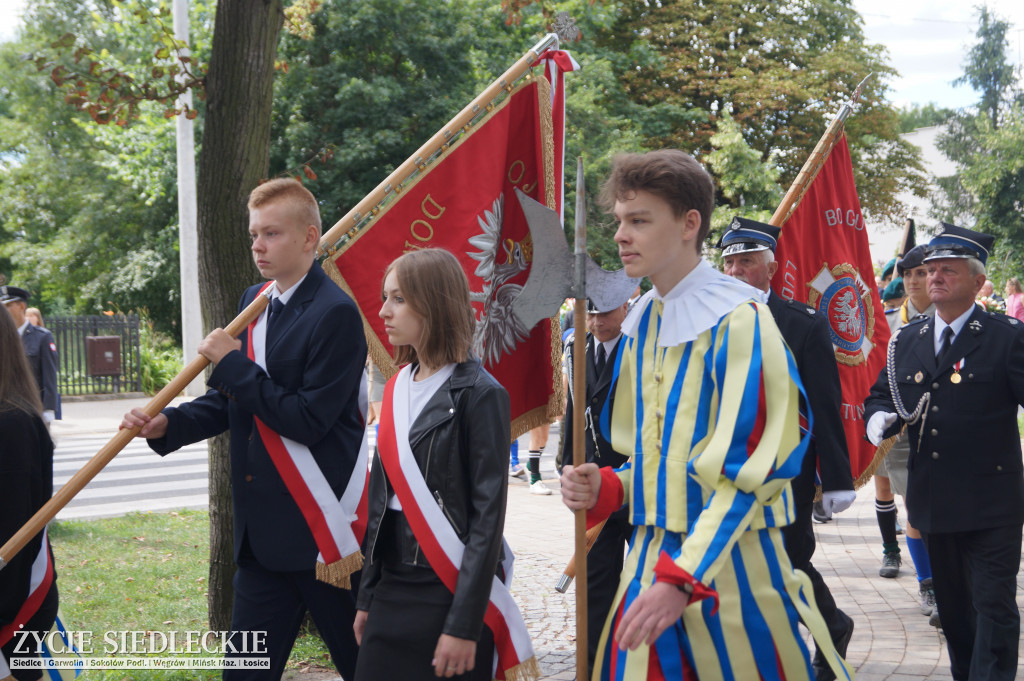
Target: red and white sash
column 40, row 579
column 338, row 525
column 514, row 657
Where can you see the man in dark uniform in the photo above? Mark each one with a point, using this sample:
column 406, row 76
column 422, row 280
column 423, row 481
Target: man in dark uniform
column 39, row 346
column 604, row 560
column 956, row 381
column 749, row 255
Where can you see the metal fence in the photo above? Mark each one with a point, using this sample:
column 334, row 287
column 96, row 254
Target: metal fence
column 97, row 354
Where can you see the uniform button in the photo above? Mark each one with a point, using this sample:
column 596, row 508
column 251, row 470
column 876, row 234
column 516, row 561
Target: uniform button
column 593, row 400
column 999, row 468
column 657, row 378
column 935, row 386
column 657, row 412
column 970, row 375
column 934, row 432
column 659, row 445
column 935, row 455
column 248, row 478
column 934, row 409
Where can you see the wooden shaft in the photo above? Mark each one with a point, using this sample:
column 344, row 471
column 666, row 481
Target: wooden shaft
column 807, row 174
column 579, row 452
column 579, row 457
column 816, row 160
column 570, row 567
column 413, row 163
column 99, row 460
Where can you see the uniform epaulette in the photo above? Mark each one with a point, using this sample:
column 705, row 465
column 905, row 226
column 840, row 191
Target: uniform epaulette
column 802, row 307
column 1005, row 319
column 917, row 320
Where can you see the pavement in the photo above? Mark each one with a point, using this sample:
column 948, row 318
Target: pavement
column 891, row 639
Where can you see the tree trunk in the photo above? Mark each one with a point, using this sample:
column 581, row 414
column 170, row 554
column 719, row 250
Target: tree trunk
column 234, row 158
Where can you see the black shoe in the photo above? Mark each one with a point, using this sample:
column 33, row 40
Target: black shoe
column 890, row 565
column 818, row 514
column 822, row 672
column 927, row 597
column 934, row 619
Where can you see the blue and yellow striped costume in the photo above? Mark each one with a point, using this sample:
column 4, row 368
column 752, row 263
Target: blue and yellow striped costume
column 714, row 427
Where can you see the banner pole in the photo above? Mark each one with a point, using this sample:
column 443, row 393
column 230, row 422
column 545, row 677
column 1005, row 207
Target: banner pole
column 816, row 160
column 349, row 223
column 93, row 466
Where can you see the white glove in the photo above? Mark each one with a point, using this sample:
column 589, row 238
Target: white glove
column 878, row 424
column 49, row 415
column 837, row 500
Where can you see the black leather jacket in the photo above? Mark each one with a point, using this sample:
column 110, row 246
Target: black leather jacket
column 461, row 442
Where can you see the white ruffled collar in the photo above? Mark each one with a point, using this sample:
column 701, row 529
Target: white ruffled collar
column 694, row 305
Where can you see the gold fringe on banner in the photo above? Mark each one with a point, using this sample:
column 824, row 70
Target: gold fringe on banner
column 339, row 573
column 527, row 670
column 880, row 453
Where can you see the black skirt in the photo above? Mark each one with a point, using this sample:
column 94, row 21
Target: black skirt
column 406, row 618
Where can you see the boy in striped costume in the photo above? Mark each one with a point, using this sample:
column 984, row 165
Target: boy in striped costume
column 708, row 400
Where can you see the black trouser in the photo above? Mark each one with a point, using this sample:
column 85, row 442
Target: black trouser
column 604, row 568
column 276, row 602
column 800, row 544
column 975, row 579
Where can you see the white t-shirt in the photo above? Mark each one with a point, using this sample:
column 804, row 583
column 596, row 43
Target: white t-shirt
column 420, row 393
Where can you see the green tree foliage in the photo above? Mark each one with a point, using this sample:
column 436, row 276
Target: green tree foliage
column 987, row 70
column 780, row 70
column 917, row 116
column 87, row 215
column 373, row 82
column 985, row 143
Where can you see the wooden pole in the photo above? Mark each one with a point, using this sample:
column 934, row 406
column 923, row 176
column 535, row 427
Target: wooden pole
column 579, row 454
column 99, row 460
column 816, row 160
column 392, row 182
column 569, row 573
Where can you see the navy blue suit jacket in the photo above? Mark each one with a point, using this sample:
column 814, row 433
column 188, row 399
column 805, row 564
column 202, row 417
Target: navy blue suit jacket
column 42, row 358
column 315, row 356
column 965, row 467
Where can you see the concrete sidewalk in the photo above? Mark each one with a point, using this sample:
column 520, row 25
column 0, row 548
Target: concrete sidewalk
column 892, row 640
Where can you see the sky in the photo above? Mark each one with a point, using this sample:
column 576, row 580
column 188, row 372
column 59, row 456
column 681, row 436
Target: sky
column 928, row 42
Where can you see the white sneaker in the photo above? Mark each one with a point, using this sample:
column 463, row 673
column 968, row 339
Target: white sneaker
column 539, row 488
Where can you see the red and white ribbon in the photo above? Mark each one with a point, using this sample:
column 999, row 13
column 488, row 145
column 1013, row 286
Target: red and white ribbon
column 558, row 62
column 337, row 525
column 40, row 579
column 514, row 656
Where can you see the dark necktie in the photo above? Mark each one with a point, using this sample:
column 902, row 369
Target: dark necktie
column 947, row 342
column 600, row 359
column 276, row 306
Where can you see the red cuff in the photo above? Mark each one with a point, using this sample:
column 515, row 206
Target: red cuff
column 609, row 499
column 666, row 570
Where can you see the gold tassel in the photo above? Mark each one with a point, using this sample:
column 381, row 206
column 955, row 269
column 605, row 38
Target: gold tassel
column 528, row 670
column 338, row 573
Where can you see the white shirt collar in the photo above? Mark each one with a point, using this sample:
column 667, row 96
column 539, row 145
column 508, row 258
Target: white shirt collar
column 24, row 325
column 609, row 345
column 694, row 305
column 287, row 295
column 957, row 325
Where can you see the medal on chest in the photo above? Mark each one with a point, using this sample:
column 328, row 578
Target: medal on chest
column 956, row 377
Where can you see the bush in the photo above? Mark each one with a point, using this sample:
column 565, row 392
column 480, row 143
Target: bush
column 160, row 359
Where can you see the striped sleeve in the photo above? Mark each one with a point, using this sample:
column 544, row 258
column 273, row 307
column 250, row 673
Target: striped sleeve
column 756, row 445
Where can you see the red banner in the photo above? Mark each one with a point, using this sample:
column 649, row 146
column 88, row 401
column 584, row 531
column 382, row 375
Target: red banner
column 824, row 261
column 464, row 202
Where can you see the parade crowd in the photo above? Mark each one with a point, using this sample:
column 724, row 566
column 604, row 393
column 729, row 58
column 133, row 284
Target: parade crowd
column 714, row 442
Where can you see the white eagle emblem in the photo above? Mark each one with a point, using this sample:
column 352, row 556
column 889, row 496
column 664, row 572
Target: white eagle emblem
column 498, row 331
